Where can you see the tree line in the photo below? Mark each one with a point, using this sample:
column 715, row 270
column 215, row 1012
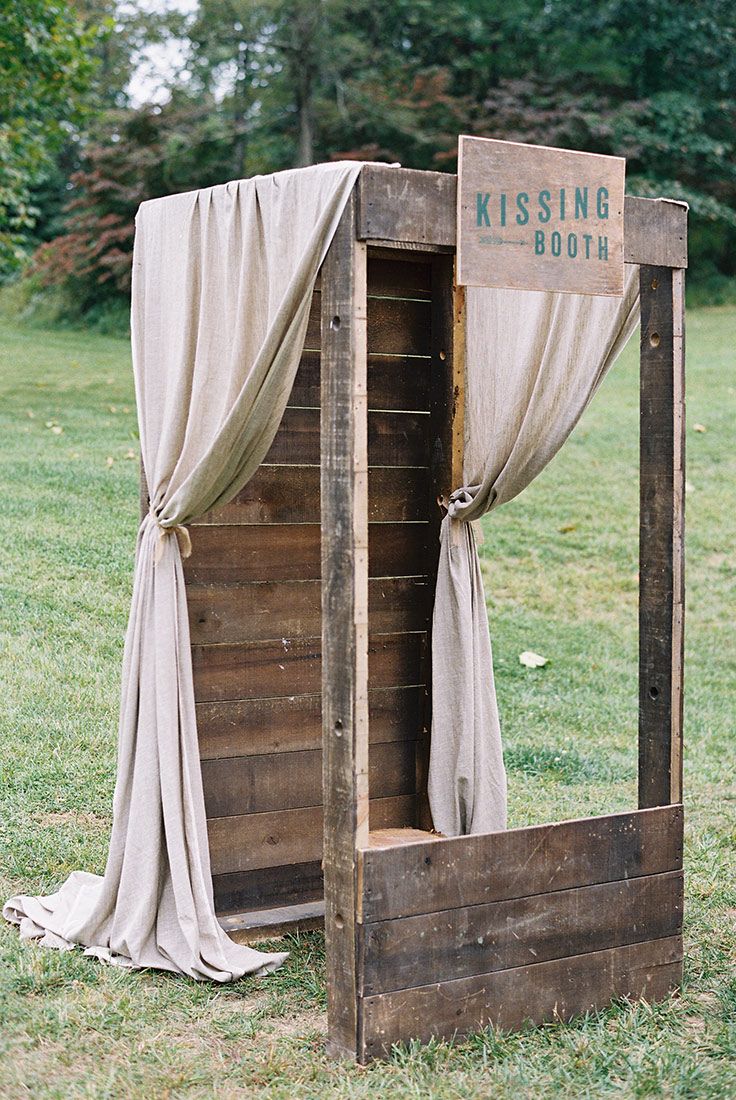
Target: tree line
column 275, row 84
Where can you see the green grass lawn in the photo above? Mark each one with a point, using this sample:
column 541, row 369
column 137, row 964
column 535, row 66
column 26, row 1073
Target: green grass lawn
column 560, row 565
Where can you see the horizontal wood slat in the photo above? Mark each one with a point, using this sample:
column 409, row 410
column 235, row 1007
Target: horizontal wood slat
column 479, row 939
column 470, row 870
column 395, row 327
column 294, row 723
column 283, row 609
column 398, row 277
column 560, row 989
column 394, row 439
column 290, row 494
column 291, row 780
column 655, row 230
column 394, row 382
column 282, row 837
column 265, row 887
column 261, row 670
column 240, row 553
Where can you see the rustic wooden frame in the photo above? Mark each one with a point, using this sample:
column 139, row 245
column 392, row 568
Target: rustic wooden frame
column 417, row 931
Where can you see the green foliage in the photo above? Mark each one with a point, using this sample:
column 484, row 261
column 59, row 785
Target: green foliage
column 45, row 70
column 270, row 84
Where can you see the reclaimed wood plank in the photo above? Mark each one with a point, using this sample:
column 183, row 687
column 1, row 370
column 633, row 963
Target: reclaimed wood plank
column 557, row 990
column 661, row 494
column 292, row 780
column 398, row 276
column 283, row 837
column 480, row 939
column 290, row 494
column 394, row 439
column 395, row 382
column 292, row 666
column 240, row 553
column 403, row 205
column 344, row 502
column 273, row 923
column 268, row 887
column 293, row 723
column 267, row 610
column 471, row 870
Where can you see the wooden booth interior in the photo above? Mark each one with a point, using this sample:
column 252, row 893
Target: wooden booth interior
column 310, row 601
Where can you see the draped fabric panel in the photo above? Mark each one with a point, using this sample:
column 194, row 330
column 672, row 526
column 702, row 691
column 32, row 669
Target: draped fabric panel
column 533, row 362
column 222, row 285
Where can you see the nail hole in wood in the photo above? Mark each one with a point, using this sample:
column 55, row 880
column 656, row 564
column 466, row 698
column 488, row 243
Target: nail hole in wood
column 654, row 339
column 443, row 355
column 338, row 728
column 653, row 692
column 655, row 284
column 339, row 922
column 335, row 323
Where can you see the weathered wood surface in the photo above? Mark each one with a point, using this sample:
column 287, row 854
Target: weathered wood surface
column 559, row 989
column 395, row 326
column 240, row 553
column 344, row 499
column 283, row 837
column 394, row 438
column 581, row 238
column 282, row 609
column 395, row 382
column 661, row 521
column 293, row 723
column 471, row 870
column 266, row 924
column 292, row 780
column 290, row 494
column 402, row 205
column 257, row 670
column 290, row 884
column 479, row 939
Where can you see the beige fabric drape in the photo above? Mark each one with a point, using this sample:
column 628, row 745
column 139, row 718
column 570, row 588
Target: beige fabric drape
column 533, row 361
column 223, row 281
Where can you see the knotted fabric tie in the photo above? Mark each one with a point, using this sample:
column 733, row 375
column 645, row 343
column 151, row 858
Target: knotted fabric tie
column 182, row 537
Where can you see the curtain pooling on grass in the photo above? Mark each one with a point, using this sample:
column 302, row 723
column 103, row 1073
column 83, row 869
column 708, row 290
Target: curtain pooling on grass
column 222, row 286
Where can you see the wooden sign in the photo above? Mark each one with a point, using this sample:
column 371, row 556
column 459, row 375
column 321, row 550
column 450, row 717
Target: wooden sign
column 535, row 218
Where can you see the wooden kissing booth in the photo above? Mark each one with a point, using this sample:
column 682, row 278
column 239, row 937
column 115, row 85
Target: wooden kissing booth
column 310, row 599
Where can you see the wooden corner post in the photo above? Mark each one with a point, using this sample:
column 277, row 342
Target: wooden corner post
column 662, row 496
column 344, row 511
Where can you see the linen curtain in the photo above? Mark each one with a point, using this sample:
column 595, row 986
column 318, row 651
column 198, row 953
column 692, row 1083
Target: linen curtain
column 533, row 362
column 222, row 285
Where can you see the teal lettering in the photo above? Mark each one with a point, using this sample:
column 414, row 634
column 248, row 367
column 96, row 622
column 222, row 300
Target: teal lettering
column 545, row 211
column 587, row 237
column 522, row 199
column 572, row 245
column 538, row 242
column 581, row 202
column 603, row 248
column 562, row 204
column 481, row 209
column 601, row 202
column 503, row 208
column 555, row 243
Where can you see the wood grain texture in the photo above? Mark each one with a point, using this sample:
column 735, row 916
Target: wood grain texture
column 291, row 884
column 290, row 494
column 241, row 553
column 555, row 990
column 285, row 609
column 394, row 382
column 661, row 521
column 292, row 780
column 471, row 870
column 479, row 939
column 344, row 501
column 394, row 438
column 271, row 669
column 403, row 205
column 293, row 723
column 283, row 837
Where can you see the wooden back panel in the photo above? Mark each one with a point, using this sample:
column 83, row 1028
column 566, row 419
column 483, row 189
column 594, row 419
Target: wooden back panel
column 253, row 590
